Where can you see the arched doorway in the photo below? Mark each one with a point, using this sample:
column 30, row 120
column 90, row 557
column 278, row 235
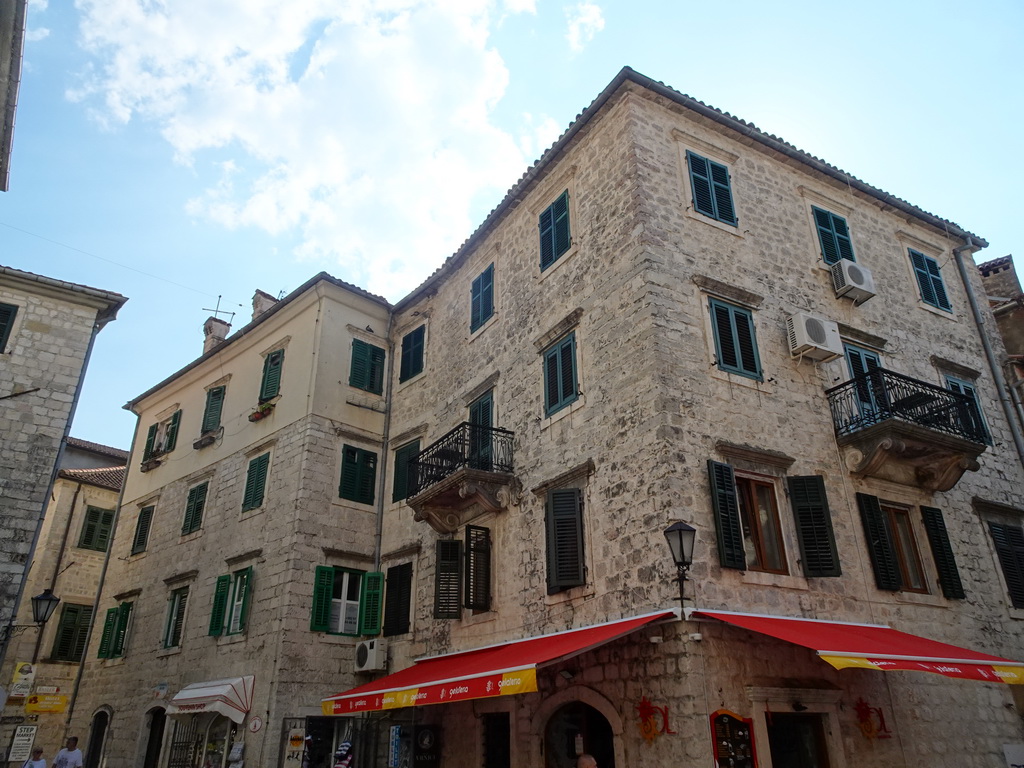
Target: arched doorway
column 157, row 721
column 576, row 728
column 97, row 735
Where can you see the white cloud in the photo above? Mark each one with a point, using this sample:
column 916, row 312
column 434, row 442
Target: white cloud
column 365, row 125
column 585, row 20
column 34, row 35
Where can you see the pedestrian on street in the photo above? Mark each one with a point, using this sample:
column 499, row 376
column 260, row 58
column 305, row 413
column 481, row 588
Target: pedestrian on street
column 70, row 756
column 37, row 760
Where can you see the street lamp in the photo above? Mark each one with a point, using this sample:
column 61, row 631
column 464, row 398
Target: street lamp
column 43, row 606
column 680, row 538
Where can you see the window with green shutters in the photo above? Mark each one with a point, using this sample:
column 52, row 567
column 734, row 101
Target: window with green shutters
column 346, row 601
column 481, row 441
column 141, row 538
column 555, row 237
column 892, row 545
column 96, row 529
column 974, row 419
column 712, row 189
column 255, row 482
column 833, row 236
column 477, row 572
column 942, row 553
column 481, row 299
column 72, row 631
column 448, row 579
column 735, row 340
column 231, row 603
column 366, row 371
column 273, row 365
column 726, row 507
column 813, row 520
column 564, row 526
column 162, row 437
column 194, row 506
column 403, row 476
column 560, row 379
column 412, row 353
column 212, row 411
column 115, row 632
column 398, row 600
column 174, row 626
column 929, row 280
column 358, row 475
column 8, row 313
column 1009, row 544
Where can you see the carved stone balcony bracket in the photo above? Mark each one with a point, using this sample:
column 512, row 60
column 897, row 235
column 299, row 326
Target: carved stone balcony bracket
column 910, row 454
column 452, row 502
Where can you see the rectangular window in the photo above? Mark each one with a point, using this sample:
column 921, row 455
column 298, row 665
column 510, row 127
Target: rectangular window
column 481, row 299
column 448, row 579
column 973, row 419
column 162, row 437
column 412, row 353
column 564, row 524
column 96, row 529
column 813, row 520
column 194, row 506
column 346, row 601
column 212, row 411
column 69, row 642
column 8, row 312
column 833, row 236
column 358, row 475
column 273, row 364
column 366, row 371
column 115, row 632
column 1009, row 544
column 142, row 524
column 398, row 600
column 481, row 438
column 255, row 482
column 892, row 545
column 560, row 381
column 929, row 280
column 735, row 340
column 478, row 568
column 231, row 603
column 175, row 624
column 404, row 479
column 759, row 522
column 712, row 189
column 555, row 237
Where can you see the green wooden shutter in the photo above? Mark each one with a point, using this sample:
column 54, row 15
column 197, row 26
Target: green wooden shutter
column 69, row 643
column 478, row 568
column 7, row 314
column 566, row 566
column 398, row 600
column 213, row 409
column 255, row 482
column 555, row 237
column 700, row 183
column 481, row 299
column 171, row 437
column 834, row 236
column 358, row 475
column 880, row 543
column 942, row 552
column 1009, row 544
column 109, row 630
column 371, row 601
column 725, row 343
column 367, row 369
column 448, row 579
column 814, row 526
column 560, row 383
column 194, row 508
column 722, row 188
column 412, row 353
column 735, row 339
column 141, row 537
column 400, row 489
column 367, row 477
column 746, row 342
column 929, row 280
column 176, row 619
column 147, row 452
column 323, row 587
column 96, row 529
column 272, row 367
column 725, row 505
column 124, row 617
column 220, row 603
column 246, row 596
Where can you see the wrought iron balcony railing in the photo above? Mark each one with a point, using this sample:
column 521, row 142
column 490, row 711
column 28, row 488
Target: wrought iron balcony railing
column 877, row 395
column 467, row 446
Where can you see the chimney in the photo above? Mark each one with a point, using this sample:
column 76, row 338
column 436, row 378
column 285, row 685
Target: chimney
column 261, row 302
column 215, row 331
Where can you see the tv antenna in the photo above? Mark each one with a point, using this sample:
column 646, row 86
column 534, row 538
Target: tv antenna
column 219, row 311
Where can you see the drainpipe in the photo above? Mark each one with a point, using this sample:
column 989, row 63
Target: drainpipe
column 383, row 463
column 993, row 364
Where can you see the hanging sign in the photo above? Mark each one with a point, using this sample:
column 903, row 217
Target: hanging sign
column 21, row 681
column 733, row 740
column 21, row 744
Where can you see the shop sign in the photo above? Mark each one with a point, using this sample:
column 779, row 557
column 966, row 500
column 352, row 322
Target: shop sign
column 394, row 745
column 22, row 679
column 733, row 740
column 871, row 721
column 653, row 719
column 46, row 702
column 295, row 746
column 21, row 744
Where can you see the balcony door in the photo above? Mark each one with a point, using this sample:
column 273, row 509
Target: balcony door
column 870, row 389
column 481, row 420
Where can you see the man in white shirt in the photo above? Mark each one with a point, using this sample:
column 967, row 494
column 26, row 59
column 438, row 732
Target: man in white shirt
column 70, row 756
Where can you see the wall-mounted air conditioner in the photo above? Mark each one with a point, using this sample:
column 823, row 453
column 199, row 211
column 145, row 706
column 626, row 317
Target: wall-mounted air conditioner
column 371, row 655
column 813, row 337
column 852, row 280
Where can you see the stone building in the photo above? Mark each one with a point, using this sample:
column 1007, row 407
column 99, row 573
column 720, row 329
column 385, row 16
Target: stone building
column 12, row 45
column 69, row 560
column 47, row 330
column 1002, row 285
column 672, row 318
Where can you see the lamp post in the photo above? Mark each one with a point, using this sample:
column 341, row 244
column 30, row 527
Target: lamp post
column 680, row 538
column 43, row 606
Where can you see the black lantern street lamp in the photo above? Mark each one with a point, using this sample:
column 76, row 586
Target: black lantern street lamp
column 43, row 606
column 680, row 538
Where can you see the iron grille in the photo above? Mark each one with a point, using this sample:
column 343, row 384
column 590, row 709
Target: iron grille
column 467, row 446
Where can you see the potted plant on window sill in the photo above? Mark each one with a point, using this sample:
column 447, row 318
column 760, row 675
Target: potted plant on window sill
column 262, row 411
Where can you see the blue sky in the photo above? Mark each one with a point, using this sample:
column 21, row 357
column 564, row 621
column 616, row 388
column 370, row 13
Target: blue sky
column 183, row 150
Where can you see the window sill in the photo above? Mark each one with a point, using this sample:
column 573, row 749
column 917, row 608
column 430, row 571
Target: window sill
column 1017, row 613
column 190, row 535
column 732, row 229
column 473, row 335
column 349, row 640
column 946, row 313
column 574, row 406
column 782, row 580
column 116, row 662
column 231, row 639
column 411, row 380
column 920, row 598
column 553, row 267
column 736, row 379
column 168, row 652
column 575, row 593
column 471, row 619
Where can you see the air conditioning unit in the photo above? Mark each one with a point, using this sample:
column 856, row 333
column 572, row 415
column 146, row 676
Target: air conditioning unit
column 813, row 337
column 852, row 280
column 371, row 656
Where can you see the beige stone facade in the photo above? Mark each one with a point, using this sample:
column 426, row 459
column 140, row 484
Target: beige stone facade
column 620, row 355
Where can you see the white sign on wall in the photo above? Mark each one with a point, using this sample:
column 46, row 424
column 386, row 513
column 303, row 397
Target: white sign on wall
column 1014, row 754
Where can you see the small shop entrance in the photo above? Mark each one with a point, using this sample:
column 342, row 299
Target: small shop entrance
column 575, row 729
column 797, row 740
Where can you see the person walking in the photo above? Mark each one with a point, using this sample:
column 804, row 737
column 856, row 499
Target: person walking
column 70, row 756
column 586, row 761
column 37, row 760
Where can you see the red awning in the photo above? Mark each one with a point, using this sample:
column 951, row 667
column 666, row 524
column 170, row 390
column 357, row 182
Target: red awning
column 497, row 670
column 875, row 646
